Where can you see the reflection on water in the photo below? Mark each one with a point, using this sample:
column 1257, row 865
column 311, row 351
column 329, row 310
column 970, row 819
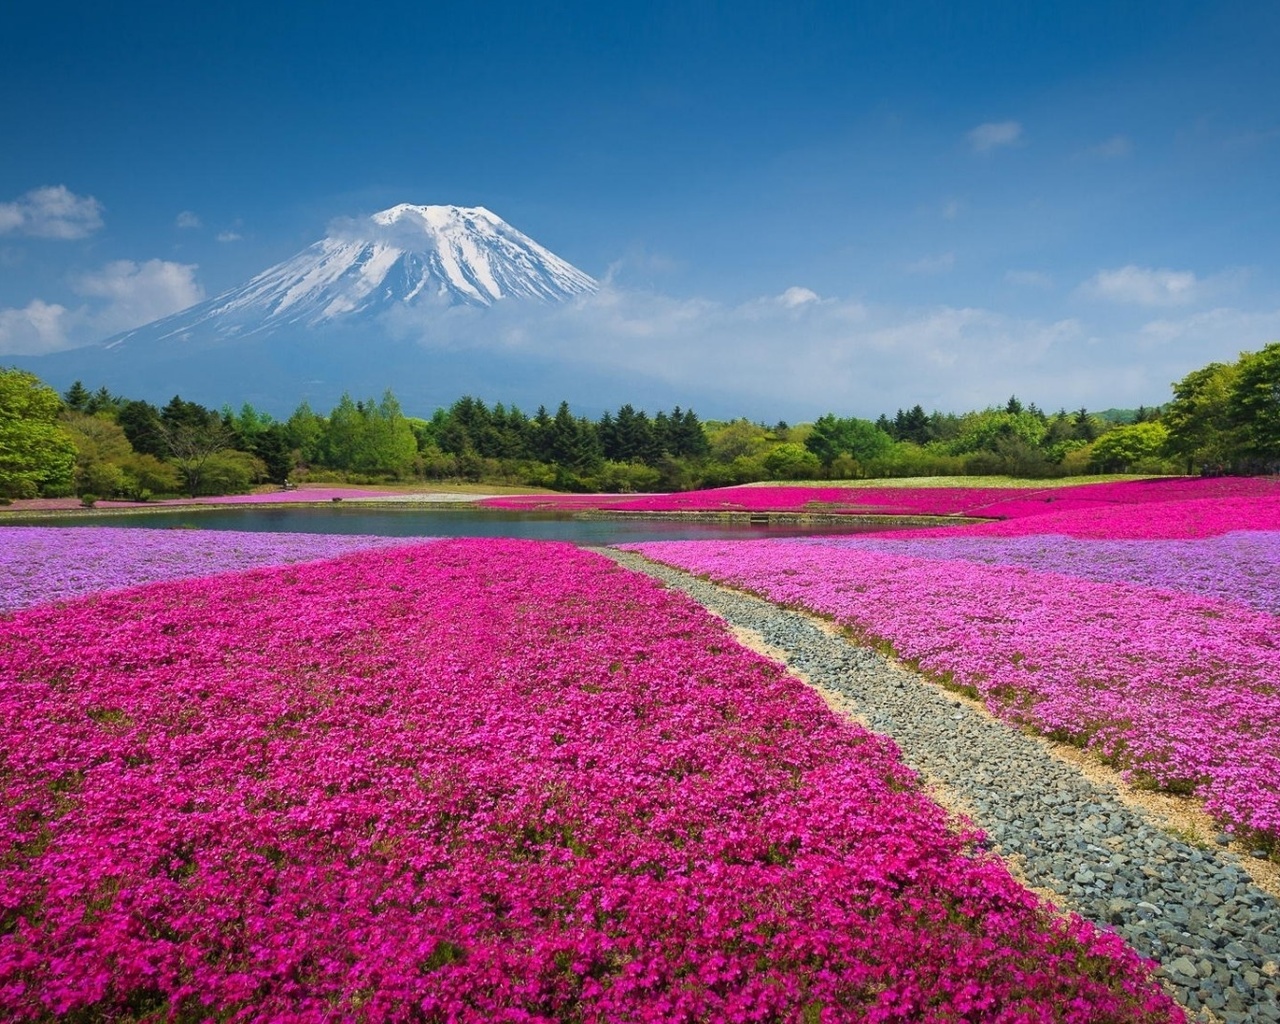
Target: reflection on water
column 429, row 522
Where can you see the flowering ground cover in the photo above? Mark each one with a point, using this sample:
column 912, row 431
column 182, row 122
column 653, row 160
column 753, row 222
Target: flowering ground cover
column 296, row 494
column 40, row 564
column 482, row 780
column 1182, row 689
column 972, row 502
column 304, row 493
column 1243, row 566
column 1163, row 520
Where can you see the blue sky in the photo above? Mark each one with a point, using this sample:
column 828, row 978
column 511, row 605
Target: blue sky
column 1074, row 201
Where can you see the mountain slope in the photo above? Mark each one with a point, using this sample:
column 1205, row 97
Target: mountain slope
column 405, row 256
column 370, row 306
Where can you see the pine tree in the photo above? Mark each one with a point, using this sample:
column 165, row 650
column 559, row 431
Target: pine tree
column 76, row 397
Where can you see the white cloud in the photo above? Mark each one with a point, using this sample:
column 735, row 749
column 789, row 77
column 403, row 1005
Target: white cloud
column 939, row 264
column 1114, row 148
column 121, row 295
column 137, row 293
column 639, row 264
column 994, row 135
column 1217, row 333
column 796, row 296
column 187, row 219
column 1143, row 286
column 775, row 355
column 53, row 211
column 1028, row 278
column 39, row 328
column 228, row 236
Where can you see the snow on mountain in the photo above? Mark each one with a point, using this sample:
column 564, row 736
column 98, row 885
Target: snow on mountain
column 405, row 256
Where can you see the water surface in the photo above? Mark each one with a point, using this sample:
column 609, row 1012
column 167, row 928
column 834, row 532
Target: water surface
column 428, row 522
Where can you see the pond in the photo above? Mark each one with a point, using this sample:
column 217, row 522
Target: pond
column 422, row 521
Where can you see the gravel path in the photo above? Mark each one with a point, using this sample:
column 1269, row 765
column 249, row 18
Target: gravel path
column 1216, row 934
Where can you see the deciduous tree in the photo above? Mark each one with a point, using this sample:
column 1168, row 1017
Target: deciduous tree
column 35, row 450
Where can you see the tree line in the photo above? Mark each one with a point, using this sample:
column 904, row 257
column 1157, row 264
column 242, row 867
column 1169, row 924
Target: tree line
column 1222, row 418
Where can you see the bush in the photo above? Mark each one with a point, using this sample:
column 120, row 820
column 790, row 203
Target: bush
column 792, row 462
column 88, row 500
column 105, row 478
column 231, row 472
column 145, row 474
column 626, row 477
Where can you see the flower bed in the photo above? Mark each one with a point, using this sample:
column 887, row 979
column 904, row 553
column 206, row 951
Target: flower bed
column 1165, row 520
column 972, row 502
column 40, row 564
column 304, row 493
column 1183, row 689
column 1243, row 566
column 482, row 780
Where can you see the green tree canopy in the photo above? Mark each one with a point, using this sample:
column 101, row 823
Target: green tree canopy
column 789, row 461
column 832, row 437
column 985, row 431
column 1130, row 448
column 1253, row 408
column 35, row 450
column 369, row 437
column 1198, row 418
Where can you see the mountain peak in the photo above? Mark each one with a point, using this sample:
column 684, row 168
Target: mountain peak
column 438, row 216
column 405, row 256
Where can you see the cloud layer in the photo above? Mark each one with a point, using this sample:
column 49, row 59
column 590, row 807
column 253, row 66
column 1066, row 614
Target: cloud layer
column 789, row 354
column 994, row 135
column 121, row 295
column 1143, row 286
column 53, row 211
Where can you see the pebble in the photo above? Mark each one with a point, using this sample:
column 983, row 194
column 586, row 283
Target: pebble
column 1196, row 912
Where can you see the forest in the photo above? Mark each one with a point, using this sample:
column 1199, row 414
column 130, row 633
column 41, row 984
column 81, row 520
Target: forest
column 1223, row 418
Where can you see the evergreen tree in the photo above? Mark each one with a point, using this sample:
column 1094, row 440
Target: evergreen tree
column 101, row 400
column 76, row 397
column 304, row 432
column 543, row 436
column 272, row 447
column 142, row 426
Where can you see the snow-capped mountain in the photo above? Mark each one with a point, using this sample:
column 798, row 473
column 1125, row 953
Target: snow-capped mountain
column 405, row 256
column 409, row 298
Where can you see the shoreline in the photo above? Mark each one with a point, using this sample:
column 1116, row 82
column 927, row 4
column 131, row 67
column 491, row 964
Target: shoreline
column 18, row 516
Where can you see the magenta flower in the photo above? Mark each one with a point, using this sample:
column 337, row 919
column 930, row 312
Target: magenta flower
column 482, row 780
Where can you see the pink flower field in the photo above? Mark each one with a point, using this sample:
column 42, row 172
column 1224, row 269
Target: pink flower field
column 1182, row 689
column 40, row 564
column 1004, row 503
column 483, row 780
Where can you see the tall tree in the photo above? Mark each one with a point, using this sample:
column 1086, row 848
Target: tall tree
column 1199, row 417
column 833, row 436
column 142, row 425
column 304, row 432
column 1253, row 408
column 192, row 445
column 35, row 451
column 76, row 397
